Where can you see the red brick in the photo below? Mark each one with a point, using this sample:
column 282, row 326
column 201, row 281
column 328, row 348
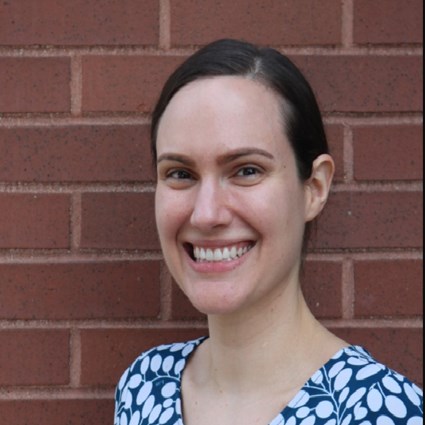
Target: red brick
column 118, row 220
column 388, row 21
column 34, row 357
column 182, row 308
column 266, row 22
column 388, row 152
column 61, row 22
column 371, row 220
column 335, row 135
column 399, row 348
column 75, row 153
column 365, row 83
column 321, row 284
column 34, row 221
column 106, row 353
column 124, row 83
column 388, row 288
column 57, row 412
column 35, row 84
column 79, row 290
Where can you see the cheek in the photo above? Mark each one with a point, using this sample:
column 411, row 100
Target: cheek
column 170, row 212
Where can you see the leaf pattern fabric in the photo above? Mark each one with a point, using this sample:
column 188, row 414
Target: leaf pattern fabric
column 352, row 388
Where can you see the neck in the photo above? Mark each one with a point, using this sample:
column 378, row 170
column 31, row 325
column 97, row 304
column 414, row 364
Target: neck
column 263, row 346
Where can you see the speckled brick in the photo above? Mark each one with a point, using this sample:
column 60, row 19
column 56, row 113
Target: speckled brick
column 371, row 220
column 293, row 22
column 388, row 21
column 365, row 83
column 108, row 290
column 335, row 135
column 75, row 153
column 118, row 220
column 321, row 284
column 35, row 84
column 388, row 288
column 34, row 221
column 399, row 348
column 61, row 22
column 106, row 353
column 58, row 412
column 392, row 152
column 34, row 357
column 124, row 83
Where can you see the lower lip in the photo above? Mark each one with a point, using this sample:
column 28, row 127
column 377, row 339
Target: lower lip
column 217, row 266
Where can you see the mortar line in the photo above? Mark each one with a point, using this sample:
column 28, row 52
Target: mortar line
column 75, row 359
column 164, row 24
column 348, row 156
column 76, row 85
column 75, row 227
column 347, row 23
column 348, row 289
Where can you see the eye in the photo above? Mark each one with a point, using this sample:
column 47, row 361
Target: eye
column 248, row 175
column 179, row 175
column 248, row 171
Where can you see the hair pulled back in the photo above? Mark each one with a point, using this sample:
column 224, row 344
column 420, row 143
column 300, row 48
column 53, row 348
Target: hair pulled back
column 301, row 116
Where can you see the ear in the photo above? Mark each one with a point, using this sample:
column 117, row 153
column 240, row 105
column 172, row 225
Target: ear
column 317, row 187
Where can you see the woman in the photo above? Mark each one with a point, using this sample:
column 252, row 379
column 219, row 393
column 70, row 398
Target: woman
column 242, row 165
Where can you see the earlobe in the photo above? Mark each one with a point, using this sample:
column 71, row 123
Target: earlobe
column 317, row 187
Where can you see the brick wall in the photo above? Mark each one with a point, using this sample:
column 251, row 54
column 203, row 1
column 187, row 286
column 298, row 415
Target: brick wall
column 83, row 288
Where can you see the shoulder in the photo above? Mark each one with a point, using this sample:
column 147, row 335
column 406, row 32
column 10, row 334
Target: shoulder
column 169, row 358
column 363, row 390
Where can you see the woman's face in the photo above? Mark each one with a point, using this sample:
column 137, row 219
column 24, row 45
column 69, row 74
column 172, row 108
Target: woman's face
column 230, row 208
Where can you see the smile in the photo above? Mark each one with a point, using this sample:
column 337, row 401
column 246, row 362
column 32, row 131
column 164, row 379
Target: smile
column 228, row 253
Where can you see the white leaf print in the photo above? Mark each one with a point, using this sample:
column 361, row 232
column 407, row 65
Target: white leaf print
column 369, row 370
column 135, row 419
column 391, row 384
column 342, row 379
column 374, row 400
column 395, row 406
column 411, row 394
column 144, row 393
column 324, row 409
column 335, row 369
column 384, row 420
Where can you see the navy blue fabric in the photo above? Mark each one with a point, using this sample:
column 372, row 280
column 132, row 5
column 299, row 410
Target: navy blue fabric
column 352, row 388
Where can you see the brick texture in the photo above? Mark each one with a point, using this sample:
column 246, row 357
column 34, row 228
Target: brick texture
column 388, row 21
column 60, row 22
column 34, row 221
column 388, row 152
column 399, row 348
column 34, row 357
column 79, row 290
column 83, row 286
column 58, row 412
column 118, row 220
column 35, row 84
column 121, row 83
column 371, row 220
column 105, row 354
column 75, row 153
column 267, row 22
column 365, row 83
column 372, row 280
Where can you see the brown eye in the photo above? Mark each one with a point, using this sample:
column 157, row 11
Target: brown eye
column 179, row 175
column 248, row 172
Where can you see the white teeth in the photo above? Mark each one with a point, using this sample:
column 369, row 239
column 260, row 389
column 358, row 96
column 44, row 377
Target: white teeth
column 227, row 253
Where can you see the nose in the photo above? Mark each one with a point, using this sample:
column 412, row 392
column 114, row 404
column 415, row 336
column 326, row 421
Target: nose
column 210, row 209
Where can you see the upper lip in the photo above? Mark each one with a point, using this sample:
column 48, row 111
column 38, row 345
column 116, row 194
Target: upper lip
column 219, row 243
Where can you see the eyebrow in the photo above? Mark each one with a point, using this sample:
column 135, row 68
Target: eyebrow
column 222, row 159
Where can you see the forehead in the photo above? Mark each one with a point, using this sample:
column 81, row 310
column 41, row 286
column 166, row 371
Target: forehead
column 223, row 111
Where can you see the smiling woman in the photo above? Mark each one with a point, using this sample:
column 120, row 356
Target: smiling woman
column 242, row 165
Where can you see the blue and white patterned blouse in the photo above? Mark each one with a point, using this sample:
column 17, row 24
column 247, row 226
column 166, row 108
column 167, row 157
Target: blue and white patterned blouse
column 350, row 389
